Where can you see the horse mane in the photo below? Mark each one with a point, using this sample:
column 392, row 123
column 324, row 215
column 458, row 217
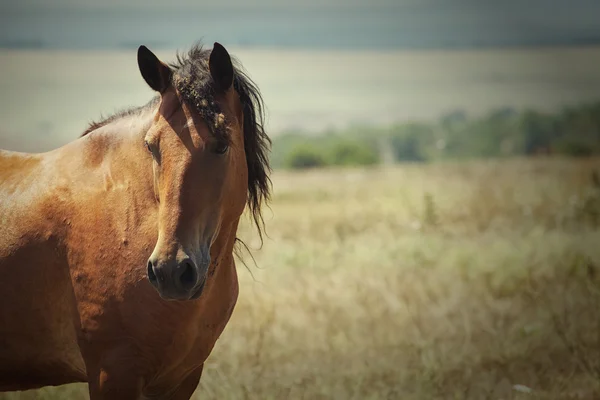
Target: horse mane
column 191, row 76
column 120, row 114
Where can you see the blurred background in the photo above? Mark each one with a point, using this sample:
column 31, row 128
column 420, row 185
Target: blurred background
column 433, row 231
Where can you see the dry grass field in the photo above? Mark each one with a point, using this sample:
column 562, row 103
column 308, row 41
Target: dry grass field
column 477, row 280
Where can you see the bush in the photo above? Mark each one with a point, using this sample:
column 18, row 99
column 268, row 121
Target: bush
column 409, row 141
column 304, row 156
column 575, row 148
column 346, row 152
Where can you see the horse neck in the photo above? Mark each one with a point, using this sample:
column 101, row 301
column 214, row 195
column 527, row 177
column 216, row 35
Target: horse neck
column 111, row 162
column 120, row 142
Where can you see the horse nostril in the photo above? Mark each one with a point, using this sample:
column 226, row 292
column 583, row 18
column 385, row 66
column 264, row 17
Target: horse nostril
column 151, row 274
column 188, row 275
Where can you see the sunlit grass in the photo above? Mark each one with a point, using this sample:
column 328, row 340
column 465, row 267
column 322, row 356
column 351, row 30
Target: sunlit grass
column 417, row 282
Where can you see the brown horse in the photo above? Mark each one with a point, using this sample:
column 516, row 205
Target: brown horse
column 116, row 250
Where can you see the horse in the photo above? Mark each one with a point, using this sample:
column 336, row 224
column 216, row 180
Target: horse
column 117, row 249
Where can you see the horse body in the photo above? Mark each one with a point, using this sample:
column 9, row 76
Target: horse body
column 78, row 225
column 37, row 332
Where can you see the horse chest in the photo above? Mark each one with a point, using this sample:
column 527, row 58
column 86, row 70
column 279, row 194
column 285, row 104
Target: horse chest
column 188, row 332
column 203, row 332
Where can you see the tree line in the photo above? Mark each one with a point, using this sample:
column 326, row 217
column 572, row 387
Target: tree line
column 572, row 131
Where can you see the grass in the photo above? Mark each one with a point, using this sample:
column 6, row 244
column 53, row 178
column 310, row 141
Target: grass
column 476, row 280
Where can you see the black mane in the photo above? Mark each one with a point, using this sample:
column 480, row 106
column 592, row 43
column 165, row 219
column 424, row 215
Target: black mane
column 191, row 77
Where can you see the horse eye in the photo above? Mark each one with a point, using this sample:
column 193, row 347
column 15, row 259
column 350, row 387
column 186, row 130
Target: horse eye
column 221, row 148
column 147, row 146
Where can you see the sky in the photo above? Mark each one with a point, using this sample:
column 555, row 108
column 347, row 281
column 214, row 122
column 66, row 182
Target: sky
column 287, row 3
column 204, row 3
column 83, row 24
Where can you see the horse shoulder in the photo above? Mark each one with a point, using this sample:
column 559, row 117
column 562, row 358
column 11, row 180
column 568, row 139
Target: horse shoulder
column 38, row 323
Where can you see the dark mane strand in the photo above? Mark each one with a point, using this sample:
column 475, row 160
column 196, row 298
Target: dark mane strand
column 257, row 145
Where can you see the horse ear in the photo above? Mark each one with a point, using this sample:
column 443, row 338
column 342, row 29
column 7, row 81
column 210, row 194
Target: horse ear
column 156, row 73
column 221, row 68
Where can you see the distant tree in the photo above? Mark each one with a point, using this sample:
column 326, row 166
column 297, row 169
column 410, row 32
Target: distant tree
column 351, row 152
column 304, row 156
column 453, row 119
column 409, row 141
column 537, row 130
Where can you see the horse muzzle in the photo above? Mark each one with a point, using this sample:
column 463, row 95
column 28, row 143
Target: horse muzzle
column 178, row 279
